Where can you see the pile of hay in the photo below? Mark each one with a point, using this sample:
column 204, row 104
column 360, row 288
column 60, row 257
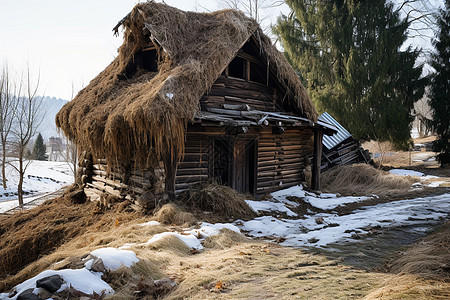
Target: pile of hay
column 141, row 116
column 218, row 199
column 171, row 214
column 362, row 179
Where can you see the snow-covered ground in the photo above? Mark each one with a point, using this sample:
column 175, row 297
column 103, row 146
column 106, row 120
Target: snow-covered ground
column 334, row 228
column 41, row 177
column 427, row 180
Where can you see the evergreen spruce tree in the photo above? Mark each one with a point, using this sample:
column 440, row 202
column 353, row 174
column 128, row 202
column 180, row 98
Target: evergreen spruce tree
column 39, row 149
column 440, row 87
column 348, row 55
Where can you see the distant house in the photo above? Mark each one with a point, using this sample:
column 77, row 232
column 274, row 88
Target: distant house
column 191, row 97
column 55, row 148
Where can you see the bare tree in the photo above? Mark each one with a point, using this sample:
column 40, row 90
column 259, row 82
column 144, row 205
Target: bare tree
column 257, row 9
column 420, row 15
column 71, row 156
column 8, row 106
column 26, row 122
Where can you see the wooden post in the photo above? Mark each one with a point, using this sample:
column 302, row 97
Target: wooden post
column 170, row 167
column 317, row 159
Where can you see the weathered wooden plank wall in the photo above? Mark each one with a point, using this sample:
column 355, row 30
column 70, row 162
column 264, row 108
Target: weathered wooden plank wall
column 238, row 91
column 124, row 183
column 281, row 158
column 193, row 168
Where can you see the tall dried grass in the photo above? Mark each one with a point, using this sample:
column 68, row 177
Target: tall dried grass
column 31, row 240
column 363, row 179
column 422, row 272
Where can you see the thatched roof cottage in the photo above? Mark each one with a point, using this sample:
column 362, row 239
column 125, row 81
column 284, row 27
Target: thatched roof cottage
column 193, row 96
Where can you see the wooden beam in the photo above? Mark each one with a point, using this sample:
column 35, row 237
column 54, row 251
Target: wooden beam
column 170, row 166
column 317, row 158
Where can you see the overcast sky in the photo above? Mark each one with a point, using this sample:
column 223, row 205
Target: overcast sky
column 70, row 42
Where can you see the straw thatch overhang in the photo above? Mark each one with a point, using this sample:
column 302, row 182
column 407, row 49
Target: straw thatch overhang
column 139, row 115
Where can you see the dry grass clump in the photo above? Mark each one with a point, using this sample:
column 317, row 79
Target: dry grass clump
column 171, row 214
column 170, row 243
column 362, row 179
column 218, row 199
column 29, row 234
column 430, row 258
column 125, row 113
column 410, row 287
column 224, row 240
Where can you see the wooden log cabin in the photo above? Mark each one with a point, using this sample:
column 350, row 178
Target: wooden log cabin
column 191, row 97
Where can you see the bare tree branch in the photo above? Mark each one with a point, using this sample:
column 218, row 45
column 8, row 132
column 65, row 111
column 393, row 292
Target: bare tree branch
column 27, row 120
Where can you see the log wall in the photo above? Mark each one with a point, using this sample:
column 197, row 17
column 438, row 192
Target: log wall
column 282, row 158
column 280, row 163
column 228, row 90
column 123, row 182
column 193, row 168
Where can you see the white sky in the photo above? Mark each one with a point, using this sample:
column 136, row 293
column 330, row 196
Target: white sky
column 66, row 41
column 70, row 42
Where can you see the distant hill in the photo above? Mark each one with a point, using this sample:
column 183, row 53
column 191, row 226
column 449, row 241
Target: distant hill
column 49, row 108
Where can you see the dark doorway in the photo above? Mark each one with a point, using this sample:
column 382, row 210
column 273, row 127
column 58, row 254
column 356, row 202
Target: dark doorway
column 244, row 171
column 222, row 161
column 234, row 164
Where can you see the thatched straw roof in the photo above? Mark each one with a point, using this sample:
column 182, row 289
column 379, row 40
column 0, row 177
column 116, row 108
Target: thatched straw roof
column 146, row 115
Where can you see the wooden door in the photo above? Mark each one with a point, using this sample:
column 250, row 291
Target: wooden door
column 244, row 157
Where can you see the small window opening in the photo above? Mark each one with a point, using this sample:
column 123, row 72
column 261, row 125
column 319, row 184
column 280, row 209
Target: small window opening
column 147, row 60
column 237, row 68
column 142, row 60
column 258, row 73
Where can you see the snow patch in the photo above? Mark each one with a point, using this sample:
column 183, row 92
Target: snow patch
column 150, row 223
column 323, row 201
column 259, row 206
column 404, row 172
column 114, row 258
column 41, row 177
